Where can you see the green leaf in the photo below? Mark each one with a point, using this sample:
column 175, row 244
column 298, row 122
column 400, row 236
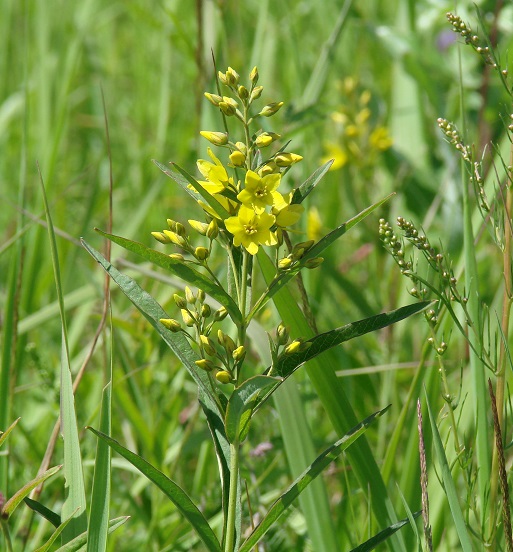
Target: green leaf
column 43, row 511
column 5, row 434
column 309, row 184
column 55, row 535
column 300, row 484
column 241, row 403
column 175, row 493
column 18, row 497
column 383, row 535
column 449, row 486
column 287, row 364
column 79, row 543
column 180, row 269
column 284, row 277
column 153, row 312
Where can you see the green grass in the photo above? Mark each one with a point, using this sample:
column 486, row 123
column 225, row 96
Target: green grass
column 152, row 60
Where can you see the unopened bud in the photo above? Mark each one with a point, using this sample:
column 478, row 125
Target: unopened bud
column 256, row 93
column 293, row 347
column 201, row 296
column 253, row 76
column 226, row 341
column 212, row 230
column 265, row 139
column 208, row 345
column 200, row 227
column 285, row 263
column 177, row 257
column 175, row 238
column 180, row 302
column 232, row 77
column 206, row 311
column 282, row 334
column 314, row 263
column 171, row 324
column 216, row 138
column 161, row 237
column 223, row 376
column 271, row 109
column 242, row 92
column 239, row 353
column 187, row 317
column 213, row 98
column 201, row 253
column 287, row 159
column 220, row 314
column 205, row 364
column 237, row 158
column 190, row 296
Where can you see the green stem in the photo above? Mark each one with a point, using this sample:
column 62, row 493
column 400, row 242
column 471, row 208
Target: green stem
column 232, row 499
column 7, row 535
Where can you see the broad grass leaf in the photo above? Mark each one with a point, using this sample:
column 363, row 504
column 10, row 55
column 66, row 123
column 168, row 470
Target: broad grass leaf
column 241, row 402
column 287, row 364
column 173, row 491
column 383, row 535
column 180, row 269
column 310, row 473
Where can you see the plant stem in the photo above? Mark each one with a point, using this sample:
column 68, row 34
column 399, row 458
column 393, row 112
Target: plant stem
column 232, row 499
column 7, row 535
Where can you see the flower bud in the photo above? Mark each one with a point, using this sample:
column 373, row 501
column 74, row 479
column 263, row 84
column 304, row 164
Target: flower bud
column 187, row 317
column 216, row 138
column 201, row 253
column 226, row 341
column 242, row 92
column 180, row 302
column 190, row 296
column 239, row 353
column 206, row 311
column 227, row 109
column 161, row 237
column 253, row 76
column 293, row 347
column 241, row 146
column 171, row 324
column 271, row 109
column 201, row 296
column 213, row 98
column 256, row 93
column 212, row 230
column 171, row 224
column 180, row 229
column 200, row 227
column 269, row 168
column 282, row 334
column 314, row 263
column 175, row 238
column 265, row 139
column 232, row 77
column 285, row 263
column 223, row 376
column 205, row 364
column 222, row 77
column 237, row 158
column 208, row 345
column 220, row 314
column 177, row 257
column 287, row 159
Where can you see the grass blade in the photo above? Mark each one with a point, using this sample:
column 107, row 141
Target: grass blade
column 175, row 493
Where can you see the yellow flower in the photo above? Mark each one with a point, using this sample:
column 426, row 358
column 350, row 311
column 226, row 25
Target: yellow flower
column 215, row 173
column 260, row 191
column 251, row 229
column 285, row 213
column 380, row 139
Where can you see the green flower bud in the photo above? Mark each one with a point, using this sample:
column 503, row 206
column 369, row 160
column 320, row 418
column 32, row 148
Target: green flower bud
column 206, row 311
column 180, row 229
column 171, row 324
column 239, row 353
column 201, row 253
column 216, row 138
column 187, row 317
column 232, row 77
column 253, row 76
column 285, row 263
column 177, row 257
column 175, row 238
column 271, row 109
column 223, row 376
column 226, row 341
column 282, row 334
column 161, row 237
column 293, row 347
column 171, row 224
column 200, row 227
column 208, row 345
column 256, row 93
column 306, row 245
column 242, row 92
column 220, row 314
column 269, row 168
column 190, row 296
column 212, row 230
column 201, row 296
column 213, row 98
column 180, row 302
column 222, row 77
column 205, row 364
column 228, row 109
column 314, row 263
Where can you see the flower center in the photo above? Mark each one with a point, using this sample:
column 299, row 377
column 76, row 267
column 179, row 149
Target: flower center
column 250, row 229
column 261, row 192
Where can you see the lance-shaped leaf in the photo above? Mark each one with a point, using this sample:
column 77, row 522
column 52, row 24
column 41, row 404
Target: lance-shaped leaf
column 284, row 277
column 241, row 403
column 78, row 544
column 309, row 184
column 383, row 535
column 43, row 511
column 288, row 363
column 173, row 491
column 5, row 434
column 300, row 484
column 18, row 497
column 180, row 269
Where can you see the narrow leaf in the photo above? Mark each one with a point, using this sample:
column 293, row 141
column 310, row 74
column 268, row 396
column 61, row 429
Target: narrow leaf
column 241, row 402
column 5, row 434
column 18, row 497
column 449, row 486
column 287, row 364
column 175, row 493
column 55, row 535
column 180, row 269
column 300, row 484
column 309, row 184
column 43, row 511
column 383, row 535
